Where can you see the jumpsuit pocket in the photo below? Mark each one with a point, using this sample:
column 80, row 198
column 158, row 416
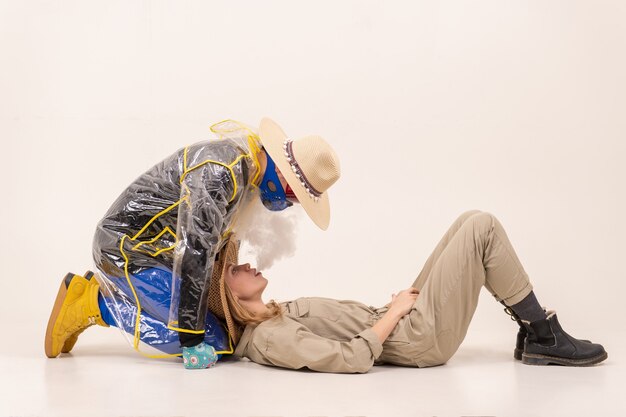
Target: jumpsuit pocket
column 303, row 307
column 299, row 307
column 319, row 308
column 413, row 342
column 405, row 347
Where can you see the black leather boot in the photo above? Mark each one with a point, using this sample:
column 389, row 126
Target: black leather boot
column 519, row 343
column 521, row 332
column 547, row 343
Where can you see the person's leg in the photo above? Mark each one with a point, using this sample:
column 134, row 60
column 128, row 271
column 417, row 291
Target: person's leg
column 122, row 313
column 75, row 309
column 425, row 272
column 153, row 331
column 105, row 315
column 527, row 309
column 478, row 254
column 113, row 309
column 151, row 286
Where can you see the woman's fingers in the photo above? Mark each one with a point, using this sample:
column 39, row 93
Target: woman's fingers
column 404, row 301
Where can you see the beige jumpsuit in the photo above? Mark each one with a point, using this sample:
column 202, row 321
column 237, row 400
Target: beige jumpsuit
column 335, row 336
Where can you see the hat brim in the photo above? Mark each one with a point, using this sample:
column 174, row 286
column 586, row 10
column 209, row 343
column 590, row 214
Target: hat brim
column 273, row 138
column 228, row 255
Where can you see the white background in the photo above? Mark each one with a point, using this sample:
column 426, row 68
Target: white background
column 512, row 107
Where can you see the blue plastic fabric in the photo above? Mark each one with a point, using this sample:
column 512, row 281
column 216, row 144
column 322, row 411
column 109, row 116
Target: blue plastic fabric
column 152, row 287
column 105, row 313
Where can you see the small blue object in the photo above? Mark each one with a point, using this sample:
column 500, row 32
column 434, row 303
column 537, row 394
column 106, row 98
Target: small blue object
column 199, row 356
column 272, row 193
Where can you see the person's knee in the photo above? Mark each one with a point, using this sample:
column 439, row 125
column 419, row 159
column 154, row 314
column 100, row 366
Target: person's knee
column 483, row 219
column 467, row 214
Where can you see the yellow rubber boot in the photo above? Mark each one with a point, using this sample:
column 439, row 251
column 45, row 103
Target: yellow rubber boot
column 75, row 309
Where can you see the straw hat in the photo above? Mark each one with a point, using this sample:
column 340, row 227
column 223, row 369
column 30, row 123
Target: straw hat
column 217, row 294
column 309, row 165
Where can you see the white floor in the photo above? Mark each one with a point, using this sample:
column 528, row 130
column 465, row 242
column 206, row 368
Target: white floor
column 103, row 377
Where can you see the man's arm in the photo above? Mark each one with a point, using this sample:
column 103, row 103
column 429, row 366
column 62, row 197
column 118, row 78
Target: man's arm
column 205, row 195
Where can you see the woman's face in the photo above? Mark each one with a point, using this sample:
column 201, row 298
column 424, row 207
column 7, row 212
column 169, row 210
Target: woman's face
column 244, row 282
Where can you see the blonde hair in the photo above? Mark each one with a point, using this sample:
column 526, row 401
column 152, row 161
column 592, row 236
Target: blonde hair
column 244, row 317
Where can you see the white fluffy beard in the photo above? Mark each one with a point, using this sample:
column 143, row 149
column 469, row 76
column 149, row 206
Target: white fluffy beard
column 267, row 235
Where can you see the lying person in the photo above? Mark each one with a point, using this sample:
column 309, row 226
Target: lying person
column 423, row 325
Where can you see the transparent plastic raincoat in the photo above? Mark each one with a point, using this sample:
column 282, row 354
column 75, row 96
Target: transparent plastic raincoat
column 155, row 247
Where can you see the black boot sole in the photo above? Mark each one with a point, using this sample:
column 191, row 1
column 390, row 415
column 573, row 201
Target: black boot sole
column 537, row 359
column 517, row 353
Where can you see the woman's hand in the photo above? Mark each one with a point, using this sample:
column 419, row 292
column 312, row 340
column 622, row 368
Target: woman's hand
column 399, row 307
column 403, row 302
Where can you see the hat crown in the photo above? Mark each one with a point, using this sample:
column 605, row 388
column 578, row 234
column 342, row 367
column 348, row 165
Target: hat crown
column 317, row 160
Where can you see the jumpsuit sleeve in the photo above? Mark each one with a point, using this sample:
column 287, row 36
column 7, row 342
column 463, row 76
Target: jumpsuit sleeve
column 292, row 345
column 205, row 195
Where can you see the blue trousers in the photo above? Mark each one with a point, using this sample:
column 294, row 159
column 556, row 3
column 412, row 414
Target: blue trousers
column 152, row 287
